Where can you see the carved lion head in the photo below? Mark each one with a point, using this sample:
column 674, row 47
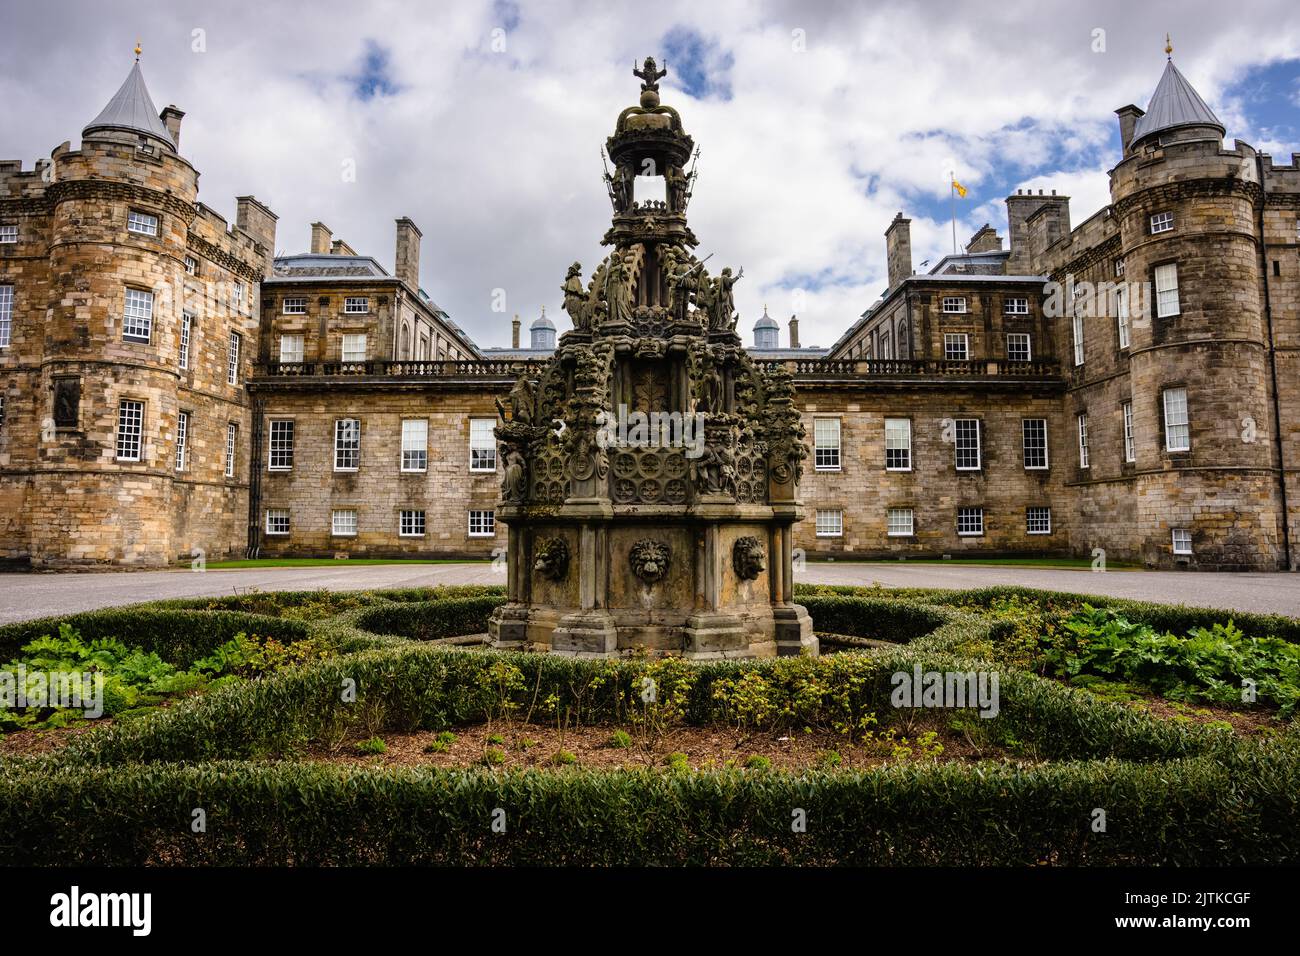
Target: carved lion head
column 551, row 558
column 650, row 560
column 748, row 558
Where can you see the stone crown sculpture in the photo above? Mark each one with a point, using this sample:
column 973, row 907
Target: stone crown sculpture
column 651, row 468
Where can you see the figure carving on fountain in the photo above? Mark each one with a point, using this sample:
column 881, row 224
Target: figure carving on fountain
column 618, row 291
column 675, row 181
column 723, row 301
column 575, row 299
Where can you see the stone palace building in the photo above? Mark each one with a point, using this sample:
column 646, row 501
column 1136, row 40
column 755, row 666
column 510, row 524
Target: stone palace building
column 1128, row 387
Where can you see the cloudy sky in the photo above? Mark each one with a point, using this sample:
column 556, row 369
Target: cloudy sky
column 483, row 121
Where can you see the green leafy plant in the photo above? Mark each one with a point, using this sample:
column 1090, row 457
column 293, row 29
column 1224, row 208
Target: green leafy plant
column 373, row 745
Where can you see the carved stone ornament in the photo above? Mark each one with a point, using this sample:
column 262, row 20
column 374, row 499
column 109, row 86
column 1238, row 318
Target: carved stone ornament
column 748, row 558
column 551, row 559
column 650, row 560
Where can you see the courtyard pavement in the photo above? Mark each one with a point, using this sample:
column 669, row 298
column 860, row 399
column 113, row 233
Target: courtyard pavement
column 26, row 595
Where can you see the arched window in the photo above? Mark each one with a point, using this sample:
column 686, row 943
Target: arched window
column 404, row 347
column 904, row 341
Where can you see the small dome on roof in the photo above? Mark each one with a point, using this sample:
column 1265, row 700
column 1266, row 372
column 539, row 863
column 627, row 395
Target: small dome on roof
column 765, row 321
column 542, row 322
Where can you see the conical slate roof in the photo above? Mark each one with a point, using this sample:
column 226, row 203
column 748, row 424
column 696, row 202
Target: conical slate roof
column 1174, row 103
column 132, row 109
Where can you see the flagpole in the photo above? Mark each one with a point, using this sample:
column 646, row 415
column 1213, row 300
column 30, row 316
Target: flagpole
column 952, row 196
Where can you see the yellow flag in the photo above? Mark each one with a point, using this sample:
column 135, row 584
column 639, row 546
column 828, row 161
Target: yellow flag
column 961, row 190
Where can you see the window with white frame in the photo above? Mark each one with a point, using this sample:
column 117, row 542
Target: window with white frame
column 354, row 347
column 277, row 520
column 954, row 304
column 142, row 223
column 137, row 316
column 232, row 448
column 830, row 523
column 130, row 429
column 956, row 346
column 1018, row 348
column 182, row 433
column 1178, row 432
column 482, row 524
column 1129, row 450
column 347, row 444
column 1038, row 520
column 187, row 329
column 482, row 445
column 1015, row 305
column 2, row 409
column 826, row 444
column 1076, row 325
column 1034, row 439
column 1162, row 222
column 1119, row 268
column 343, row 523
column 966, row 436
column 898, row 444
column 899, row 522
column 237, row 292
column 356, row 304
column 6, row 314
column 1182, row 540
column 8, row 233
column 291, row 348
column 294, row 305
column 415, row 444
column 281, row 450
column 191, row 266
column 232, row 359
column 1121, row 315
column 1166, row 277
column 1083, row 441
column 970, row 521
column 410, row 523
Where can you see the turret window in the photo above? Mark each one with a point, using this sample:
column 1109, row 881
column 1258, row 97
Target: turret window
column 232, row 360
column 182, row 436
column 187, row 328
column 1178, row 431
column 191, row 266
column 137, row 319
column 1121, row 315
column 1076, row 325
column 130, row 427
column 142, row 223
column 6, row 314
column 1166, row 277
column 1162, row 222
column 1130, row 453
column 1084, row 461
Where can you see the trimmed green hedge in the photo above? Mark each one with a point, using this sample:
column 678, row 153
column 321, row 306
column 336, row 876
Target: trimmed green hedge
column 178, row 637
column 1238, row 808
column 430, row 620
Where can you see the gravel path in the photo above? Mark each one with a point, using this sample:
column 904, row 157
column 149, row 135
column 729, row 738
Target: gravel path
column 27, row 595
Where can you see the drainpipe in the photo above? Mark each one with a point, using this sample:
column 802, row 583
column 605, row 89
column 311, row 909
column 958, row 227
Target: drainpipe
column 1272, row 365
column 255, row 478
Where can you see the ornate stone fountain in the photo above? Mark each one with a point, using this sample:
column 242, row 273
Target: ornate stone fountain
column 651, row 468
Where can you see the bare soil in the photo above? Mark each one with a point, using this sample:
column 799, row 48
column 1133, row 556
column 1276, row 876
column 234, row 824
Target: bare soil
column 520, row 745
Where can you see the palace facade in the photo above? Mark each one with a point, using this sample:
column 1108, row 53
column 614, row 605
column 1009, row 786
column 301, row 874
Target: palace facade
column 1127, row 388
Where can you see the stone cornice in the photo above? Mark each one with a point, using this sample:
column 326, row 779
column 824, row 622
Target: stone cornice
column 1188, row 189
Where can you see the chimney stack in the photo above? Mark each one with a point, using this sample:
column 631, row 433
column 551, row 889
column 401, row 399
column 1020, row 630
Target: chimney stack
column 514, row 332
column 898, row 249
column 407, row 261
column 320, row 239
column 171, row 117
column 1020, row 209
column 1128, row 117
column 259, row 222
column 794, row 331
